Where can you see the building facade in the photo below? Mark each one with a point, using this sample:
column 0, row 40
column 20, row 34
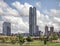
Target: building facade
column 46, row 30
column 32, row 21
column 7, row 28
column 51, row 30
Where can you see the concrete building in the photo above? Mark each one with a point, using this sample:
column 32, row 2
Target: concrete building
column 32, row 21
column 7, row 28
column 58, row 34
column 37, row 31
column 51, row 30
column 46, row 30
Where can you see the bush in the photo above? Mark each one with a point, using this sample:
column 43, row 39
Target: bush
column 13, row 41
column 55, row 36
column 3, row 40
column 29, row 39
column 21, row 41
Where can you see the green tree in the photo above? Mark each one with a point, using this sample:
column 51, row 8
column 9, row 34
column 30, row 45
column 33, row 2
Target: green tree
column 55, row 36
column 29, row 39
column 21, row 40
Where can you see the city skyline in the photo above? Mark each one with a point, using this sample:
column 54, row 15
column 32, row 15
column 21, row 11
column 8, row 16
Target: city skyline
column 17, row 12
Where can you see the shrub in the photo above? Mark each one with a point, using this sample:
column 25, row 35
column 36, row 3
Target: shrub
column 13, row 41
column 29, row 39
column 3, row 40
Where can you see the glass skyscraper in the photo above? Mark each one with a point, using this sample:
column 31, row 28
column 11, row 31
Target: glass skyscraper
column 46, row 30
column 32, row 21
column 7, row 28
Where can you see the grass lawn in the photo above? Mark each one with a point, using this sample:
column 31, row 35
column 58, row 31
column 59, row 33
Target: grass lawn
column 34, row 43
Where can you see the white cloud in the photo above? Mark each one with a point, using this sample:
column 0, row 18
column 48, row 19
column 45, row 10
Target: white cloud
column 9, row 14
column 17, row 24
column 57, row 19
column 22, row 8
column 54, row 16
column 7, row 10
column 38, row 4
column 52, row 12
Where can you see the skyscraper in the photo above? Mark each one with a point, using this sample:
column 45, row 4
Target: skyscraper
column 51, row 30
column 32, row 21
column 46, row 30
column 7, row 28
column 37, row 31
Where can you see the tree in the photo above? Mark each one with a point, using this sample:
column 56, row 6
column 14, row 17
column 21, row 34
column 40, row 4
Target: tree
column 21, row 40
column 45, row 39
column 55, row 36
column 29, row 39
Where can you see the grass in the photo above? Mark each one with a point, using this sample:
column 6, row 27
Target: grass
column 34, row 43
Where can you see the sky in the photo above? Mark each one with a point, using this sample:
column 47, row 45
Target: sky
column 17, row 13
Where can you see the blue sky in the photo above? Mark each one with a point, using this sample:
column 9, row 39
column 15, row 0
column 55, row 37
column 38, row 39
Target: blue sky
column 17, row 12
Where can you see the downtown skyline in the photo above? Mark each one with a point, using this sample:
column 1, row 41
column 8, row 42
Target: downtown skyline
column 17, row 12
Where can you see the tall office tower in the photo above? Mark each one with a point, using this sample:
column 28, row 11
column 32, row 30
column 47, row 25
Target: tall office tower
column 32, row 21
column 46, row 30
column 37, row 30
column 51, row 30
column 7, row 28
